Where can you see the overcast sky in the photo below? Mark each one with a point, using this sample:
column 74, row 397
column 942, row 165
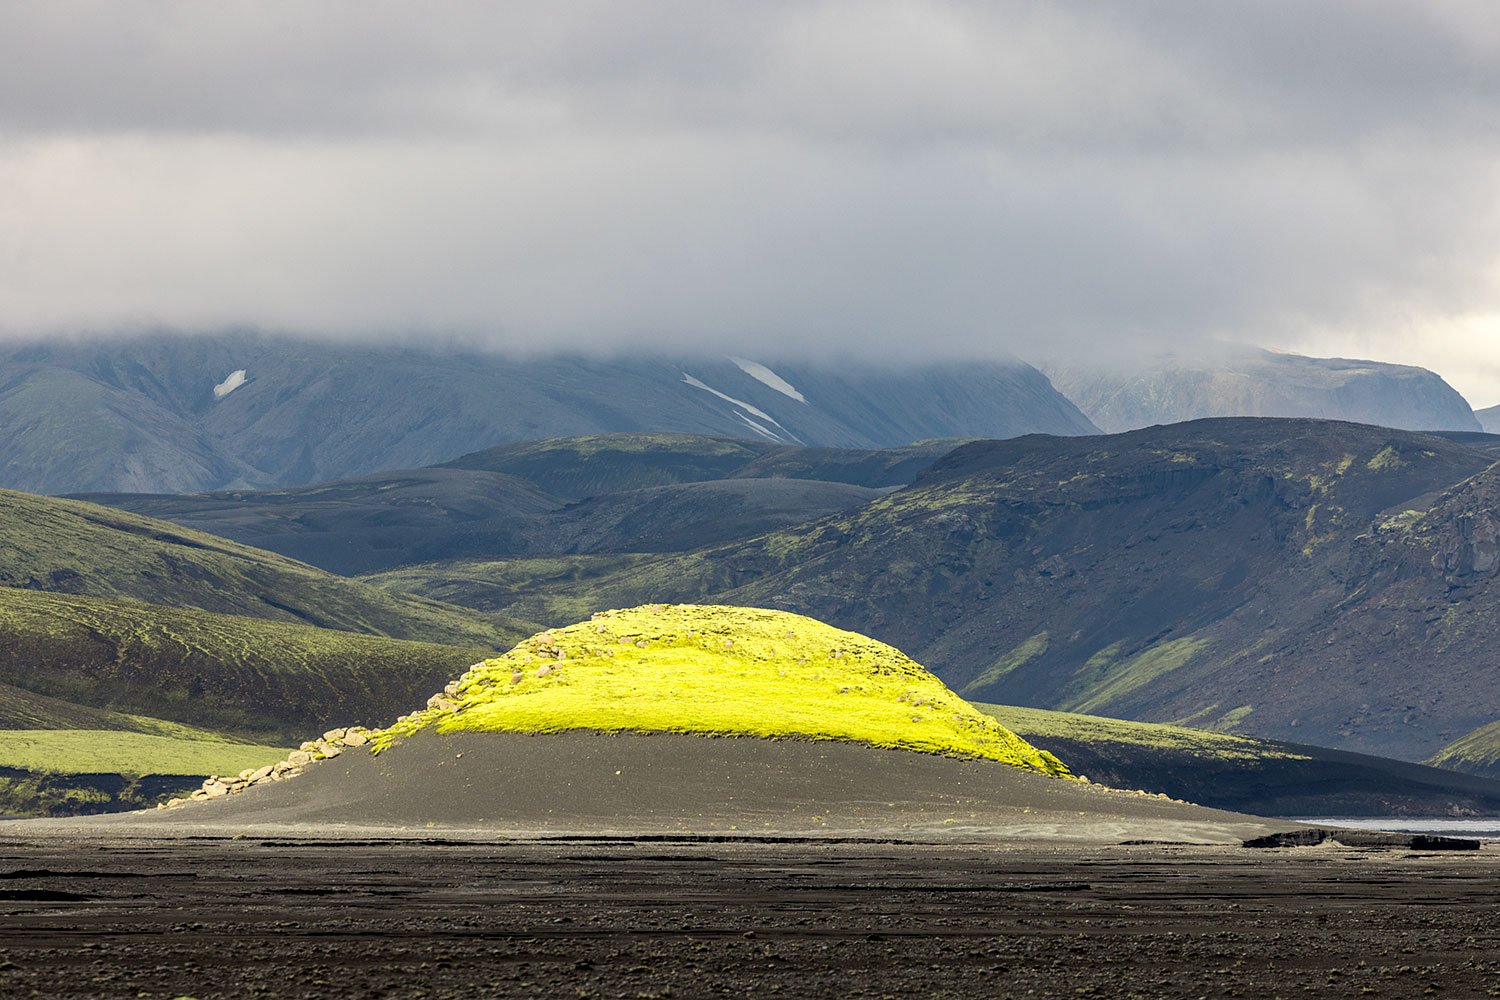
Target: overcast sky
column 907, row 178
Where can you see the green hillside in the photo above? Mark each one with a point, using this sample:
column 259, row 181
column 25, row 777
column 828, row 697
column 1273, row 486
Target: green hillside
column 66, row 546
column 220, row 672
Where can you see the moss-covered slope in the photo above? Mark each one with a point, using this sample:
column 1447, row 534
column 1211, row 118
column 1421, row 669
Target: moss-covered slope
column 723, row 671
column 66, row 546
column 1476, row 752
column 232, row 673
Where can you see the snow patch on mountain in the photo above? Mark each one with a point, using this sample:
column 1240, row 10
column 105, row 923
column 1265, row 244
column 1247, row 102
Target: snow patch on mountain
column 762, row 431
column 233, row 381
column 748, row 408
column 767, row 377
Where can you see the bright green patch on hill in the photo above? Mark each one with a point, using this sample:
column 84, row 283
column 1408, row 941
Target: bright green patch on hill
column 723, row 671
column 93, row 751
column 1032, row 723
column 1023, row 654
column 1477, row 752
column 1107, row 681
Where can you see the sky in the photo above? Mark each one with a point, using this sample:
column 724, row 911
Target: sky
column 891, row 178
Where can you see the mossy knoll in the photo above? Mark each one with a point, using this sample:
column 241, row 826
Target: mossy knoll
column 722, row 671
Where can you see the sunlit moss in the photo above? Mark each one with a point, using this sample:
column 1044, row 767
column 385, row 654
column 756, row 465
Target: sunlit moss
column 723, row 671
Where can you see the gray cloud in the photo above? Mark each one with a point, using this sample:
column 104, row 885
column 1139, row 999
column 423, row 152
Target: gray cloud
column 892, row 177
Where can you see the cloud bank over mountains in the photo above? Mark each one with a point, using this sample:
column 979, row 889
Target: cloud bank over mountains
column 902, row 178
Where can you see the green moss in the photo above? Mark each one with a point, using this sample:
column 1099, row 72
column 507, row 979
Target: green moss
column 82, row 751
column 1386, row 459
column 1023, row 654
column 1229, row 720
column 1403, row 522
column 722, row 671
column 1036, row 723
column 1119, row 679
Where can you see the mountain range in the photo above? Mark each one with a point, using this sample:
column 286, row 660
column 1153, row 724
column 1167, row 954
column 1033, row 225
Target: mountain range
column 183, row 414
column 186, row 414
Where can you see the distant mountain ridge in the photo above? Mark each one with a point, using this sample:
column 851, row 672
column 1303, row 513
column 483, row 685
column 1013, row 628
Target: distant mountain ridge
column 1489, row 418
column 1248, row 382
column 177, row 414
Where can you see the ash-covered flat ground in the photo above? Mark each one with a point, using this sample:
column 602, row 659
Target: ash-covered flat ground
column 246, row 918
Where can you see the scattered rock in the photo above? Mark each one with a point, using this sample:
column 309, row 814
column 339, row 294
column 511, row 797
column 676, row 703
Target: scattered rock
column 544, row 670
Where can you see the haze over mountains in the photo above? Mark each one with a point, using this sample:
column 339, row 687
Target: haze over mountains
column 182, row 414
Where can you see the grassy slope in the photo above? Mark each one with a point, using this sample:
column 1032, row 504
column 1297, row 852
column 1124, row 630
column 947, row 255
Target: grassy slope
column 1476, row 752
column 104, row 751
column 1037, row 723
column 224, row 672
column 723, row 671
column 72, row 547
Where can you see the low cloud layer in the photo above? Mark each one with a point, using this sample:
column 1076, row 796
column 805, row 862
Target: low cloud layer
column 896, row 178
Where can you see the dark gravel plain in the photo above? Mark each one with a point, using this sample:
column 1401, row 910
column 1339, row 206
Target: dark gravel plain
column 672, row 918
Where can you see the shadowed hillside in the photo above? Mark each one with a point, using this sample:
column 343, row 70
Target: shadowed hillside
column 604, row 494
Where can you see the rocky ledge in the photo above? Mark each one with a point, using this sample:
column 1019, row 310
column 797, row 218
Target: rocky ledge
column 330, row 744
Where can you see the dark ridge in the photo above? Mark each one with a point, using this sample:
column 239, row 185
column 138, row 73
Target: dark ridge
column 1313, row 836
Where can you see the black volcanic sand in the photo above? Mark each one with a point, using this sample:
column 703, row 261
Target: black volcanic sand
column 510, row 784
column 251, row 918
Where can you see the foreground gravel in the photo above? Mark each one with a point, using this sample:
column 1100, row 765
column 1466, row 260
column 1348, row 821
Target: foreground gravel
column 249, row 918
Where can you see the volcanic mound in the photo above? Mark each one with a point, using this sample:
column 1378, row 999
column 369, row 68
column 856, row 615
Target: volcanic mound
column 673, row 720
